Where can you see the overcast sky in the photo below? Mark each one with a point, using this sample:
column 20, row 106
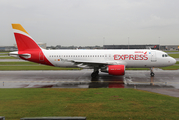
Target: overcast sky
column 92, row 22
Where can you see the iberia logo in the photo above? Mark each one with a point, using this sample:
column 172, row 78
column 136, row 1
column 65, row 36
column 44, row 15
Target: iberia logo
column 140, row 52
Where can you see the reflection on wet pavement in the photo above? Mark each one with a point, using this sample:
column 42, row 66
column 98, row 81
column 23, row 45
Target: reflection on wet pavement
column 82, row 79
column 164, row 82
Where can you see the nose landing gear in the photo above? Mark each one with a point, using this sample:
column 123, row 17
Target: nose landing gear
column 152, row 74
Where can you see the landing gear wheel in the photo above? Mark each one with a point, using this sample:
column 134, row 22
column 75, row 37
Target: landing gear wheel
column 94, row 74
column 152, row 74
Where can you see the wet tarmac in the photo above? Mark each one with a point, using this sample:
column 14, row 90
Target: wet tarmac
column 167, row 81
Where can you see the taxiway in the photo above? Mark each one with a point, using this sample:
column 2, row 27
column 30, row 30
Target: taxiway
column 164, row 80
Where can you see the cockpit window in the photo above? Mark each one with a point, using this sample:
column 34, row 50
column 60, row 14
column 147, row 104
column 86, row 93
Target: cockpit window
column 164, row 55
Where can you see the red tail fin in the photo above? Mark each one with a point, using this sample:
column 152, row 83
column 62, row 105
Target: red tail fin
column 27, row 47
column 23, row 39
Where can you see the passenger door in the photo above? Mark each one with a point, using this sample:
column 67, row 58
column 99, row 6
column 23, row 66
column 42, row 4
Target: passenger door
column 153, row 56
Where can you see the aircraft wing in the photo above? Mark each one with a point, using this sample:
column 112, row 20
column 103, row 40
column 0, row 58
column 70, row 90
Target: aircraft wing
column 91, row 64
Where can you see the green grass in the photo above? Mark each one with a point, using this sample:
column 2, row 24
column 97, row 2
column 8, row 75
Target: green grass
column 3, row 55
column 174, row 55
column 4, row 51
column 40, row 67
column 173, row 67
column 170, row 51
column 18, row 63
column 8, row 57
column 99, row 104
column 30, row 66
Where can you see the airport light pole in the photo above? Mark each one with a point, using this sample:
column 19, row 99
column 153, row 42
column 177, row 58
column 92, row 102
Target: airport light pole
column 159, row 43
column 128, row 42
column 103, row 40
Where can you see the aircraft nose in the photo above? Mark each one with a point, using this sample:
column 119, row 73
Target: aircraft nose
column 172, row 61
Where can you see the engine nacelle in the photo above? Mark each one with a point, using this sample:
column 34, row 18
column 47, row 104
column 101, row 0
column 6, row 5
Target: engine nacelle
column 114, row 69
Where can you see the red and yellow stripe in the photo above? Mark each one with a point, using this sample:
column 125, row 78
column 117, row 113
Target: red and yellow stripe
column 19, row 27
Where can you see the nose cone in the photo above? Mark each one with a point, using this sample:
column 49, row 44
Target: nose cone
column 172, row 61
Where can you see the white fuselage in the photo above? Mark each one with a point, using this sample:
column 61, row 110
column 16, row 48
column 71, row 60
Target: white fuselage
column 130, row 58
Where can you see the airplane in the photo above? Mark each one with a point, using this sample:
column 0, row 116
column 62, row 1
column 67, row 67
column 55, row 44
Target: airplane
column 113, row 62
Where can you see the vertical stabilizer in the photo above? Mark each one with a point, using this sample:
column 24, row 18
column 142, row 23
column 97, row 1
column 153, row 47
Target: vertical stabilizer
column 27, row 47
column 23, row 39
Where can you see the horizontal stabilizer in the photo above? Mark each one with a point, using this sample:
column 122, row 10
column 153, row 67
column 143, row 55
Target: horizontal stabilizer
column 15, row 54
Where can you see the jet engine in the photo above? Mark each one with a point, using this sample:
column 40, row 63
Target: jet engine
column 114, row 69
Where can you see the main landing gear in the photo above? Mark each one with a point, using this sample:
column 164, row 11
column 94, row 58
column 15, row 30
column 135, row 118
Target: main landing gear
column 95, row 73
column 151, row 72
